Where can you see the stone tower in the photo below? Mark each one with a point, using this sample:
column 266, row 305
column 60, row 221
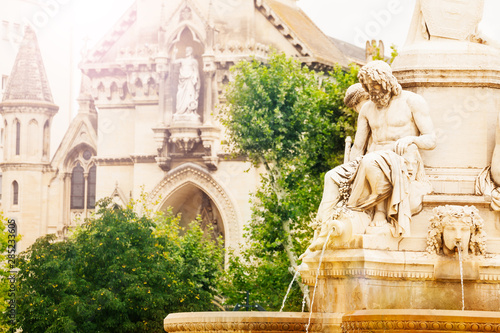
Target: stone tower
column 27, row 109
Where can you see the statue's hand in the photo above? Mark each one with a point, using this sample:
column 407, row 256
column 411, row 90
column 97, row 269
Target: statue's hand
column 403, row 144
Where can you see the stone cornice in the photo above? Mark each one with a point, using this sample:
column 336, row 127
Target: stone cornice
column 143, row 158
column 484, row 78
column 393, row 265
column 108, row 161
column 10, row 166
column 28, row 106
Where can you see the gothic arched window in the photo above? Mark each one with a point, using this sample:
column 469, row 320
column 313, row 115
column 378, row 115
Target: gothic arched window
column 91, row 181
column 15, row 193
column 33, row 138
column 46, row 140
column 18, row 137
column 77, row 187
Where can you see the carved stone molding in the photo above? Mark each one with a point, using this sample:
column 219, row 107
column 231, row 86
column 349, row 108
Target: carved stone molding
column 114, row 160
column 236, row 48
column 143, row 158
column 194, row 174
column 420, row 320
column 257, row 322
column 144, row 52
column 184, row 137
column 309, row 277
column 479, row 78
column 28, row 107
column 241, row 327
column 165, row 163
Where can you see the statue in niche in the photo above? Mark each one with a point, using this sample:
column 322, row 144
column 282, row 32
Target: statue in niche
column 188, row 88
column 456, row 226
column 209, row 221
column 385, row 175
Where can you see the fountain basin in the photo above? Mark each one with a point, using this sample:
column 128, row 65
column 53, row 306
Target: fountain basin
column 242, row 321
column 410, row 320
column 383, row 320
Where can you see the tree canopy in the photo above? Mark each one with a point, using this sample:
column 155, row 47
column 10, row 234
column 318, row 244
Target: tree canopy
column 293, row 121
column 119, row 272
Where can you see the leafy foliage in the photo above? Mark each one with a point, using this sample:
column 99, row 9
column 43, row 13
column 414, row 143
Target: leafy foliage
column 7, row 259
column 291, row 120
column 120, row 272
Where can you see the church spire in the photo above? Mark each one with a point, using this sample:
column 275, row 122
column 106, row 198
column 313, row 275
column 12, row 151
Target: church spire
column 28, row 80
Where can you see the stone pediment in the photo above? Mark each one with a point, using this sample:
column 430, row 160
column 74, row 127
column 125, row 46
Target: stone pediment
column 186, row 15
column 80, row 131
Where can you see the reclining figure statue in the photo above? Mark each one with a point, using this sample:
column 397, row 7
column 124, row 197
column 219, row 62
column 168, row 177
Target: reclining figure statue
column 384, row 176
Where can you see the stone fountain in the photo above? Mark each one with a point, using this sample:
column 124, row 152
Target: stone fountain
column 391, row 243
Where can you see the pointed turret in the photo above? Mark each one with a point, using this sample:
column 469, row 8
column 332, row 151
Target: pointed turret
column 27, row 106
column 28, row 80
column 27, row 109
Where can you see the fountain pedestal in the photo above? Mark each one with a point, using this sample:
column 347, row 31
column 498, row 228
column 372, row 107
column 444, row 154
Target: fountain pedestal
column 357, row 279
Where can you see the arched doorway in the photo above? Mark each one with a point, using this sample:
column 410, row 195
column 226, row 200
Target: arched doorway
column 190, row 202
column 187, row 188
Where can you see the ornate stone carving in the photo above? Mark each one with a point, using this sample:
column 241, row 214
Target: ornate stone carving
column 385, row 177
column 144, row 52
column 257, row 322
column 453, row 225
column 191, row 173
column 184, row 138
column 420, row 321
column 241, row 327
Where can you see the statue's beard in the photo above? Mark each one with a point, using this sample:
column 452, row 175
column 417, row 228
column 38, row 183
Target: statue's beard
column 381, row 100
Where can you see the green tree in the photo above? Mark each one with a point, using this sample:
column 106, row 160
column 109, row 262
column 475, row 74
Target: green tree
column 292, row 121
column 120, row 272
column 8, row 240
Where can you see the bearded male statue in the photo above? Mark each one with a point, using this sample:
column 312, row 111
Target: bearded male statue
column 385, row 175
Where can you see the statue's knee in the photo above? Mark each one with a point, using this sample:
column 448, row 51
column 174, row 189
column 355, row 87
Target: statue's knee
column 369, row 160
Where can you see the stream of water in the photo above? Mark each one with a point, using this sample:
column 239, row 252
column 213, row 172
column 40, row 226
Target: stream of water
column 459, row 245
column 289, row 288
column 316, row 282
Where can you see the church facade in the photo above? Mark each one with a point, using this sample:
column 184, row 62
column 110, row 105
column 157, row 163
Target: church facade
column 147, row 120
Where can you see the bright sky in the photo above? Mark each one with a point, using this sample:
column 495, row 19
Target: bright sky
column 352, row 19
column 346, row 20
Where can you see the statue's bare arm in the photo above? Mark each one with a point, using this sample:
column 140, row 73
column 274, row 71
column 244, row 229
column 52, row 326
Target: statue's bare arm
column 361, row 138
column 423, row 122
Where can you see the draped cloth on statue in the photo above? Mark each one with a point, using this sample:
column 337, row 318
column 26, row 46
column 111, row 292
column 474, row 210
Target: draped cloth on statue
column 187, row 93
column 486, row 186
column 389, row 179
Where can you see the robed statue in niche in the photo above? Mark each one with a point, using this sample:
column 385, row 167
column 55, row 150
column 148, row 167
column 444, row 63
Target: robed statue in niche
column 188, row 87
